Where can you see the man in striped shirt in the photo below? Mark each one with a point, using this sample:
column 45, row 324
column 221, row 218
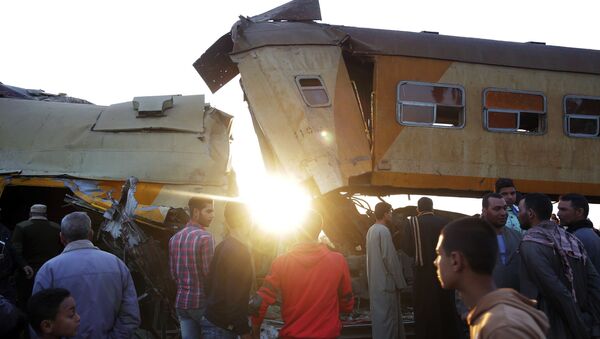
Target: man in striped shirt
column 190, row 254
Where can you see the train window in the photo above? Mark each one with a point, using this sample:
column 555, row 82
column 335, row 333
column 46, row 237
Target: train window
column 514, row 111
column 313, row 91
column 432, row 105
column 582, row 116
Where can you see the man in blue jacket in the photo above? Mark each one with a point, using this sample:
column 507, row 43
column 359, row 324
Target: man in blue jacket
column 99, row 281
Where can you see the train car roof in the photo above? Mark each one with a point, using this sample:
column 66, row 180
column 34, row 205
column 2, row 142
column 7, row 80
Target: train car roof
column 273, row 29
column 188, row 144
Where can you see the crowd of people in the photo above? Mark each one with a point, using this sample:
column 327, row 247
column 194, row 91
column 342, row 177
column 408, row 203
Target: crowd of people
column 511, row 271
column 515, row 270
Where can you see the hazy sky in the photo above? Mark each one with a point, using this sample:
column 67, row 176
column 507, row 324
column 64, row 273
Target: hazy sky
column 111, row 51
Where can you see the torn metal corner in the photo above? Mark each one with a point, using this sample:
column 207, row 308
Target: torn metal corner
column 123, row 212
column 214, row 66
column 295, row 10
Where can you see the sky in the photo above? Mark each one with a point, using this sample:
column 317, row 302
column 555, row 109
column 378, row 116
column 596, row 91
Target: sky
column 111, row 51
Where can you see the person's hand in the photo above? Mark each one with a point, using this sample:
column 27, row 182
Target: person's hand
column 28, row 272
column 255, row 332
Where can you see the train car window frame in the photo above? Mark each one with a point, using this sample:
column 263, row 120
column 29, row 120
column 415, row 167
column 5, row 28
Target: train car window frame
column 519, row 113
column 302, row 89
column 569, row 116
column 400, row 104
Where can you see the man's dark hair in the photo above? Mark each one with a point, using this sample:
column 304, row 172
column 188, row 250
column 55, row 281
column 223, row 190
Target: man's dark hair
column 312, row 225
column 577, row 201
column 540, row 204
column 198, row 203
column 44, row 305
column 236, row 214
column 502, row 183
column 475, row 239
column 425, row 204
column 381, row 209
column 485, row 201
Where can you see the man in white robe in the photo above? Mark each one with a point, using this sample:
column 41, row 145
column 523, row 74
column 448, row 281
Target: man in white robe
column 385, row 277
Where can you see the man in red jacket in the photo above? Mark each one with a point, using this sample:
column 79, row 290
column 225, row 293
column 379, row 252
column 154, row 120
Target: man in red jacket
column 315, row 287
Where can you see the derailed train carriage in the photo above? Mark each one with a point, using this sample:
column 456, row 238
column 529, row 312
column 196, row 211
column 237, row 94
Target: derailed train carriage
column 355, row 110
column 370, row 111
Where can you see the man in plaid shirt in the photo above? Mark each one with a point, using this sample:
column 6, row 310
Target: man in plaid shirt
column 190, row 253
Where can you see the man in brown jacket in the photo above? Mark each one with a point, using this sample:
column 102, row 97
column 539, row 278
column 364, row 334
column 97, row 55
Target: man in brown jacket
column 466, row 256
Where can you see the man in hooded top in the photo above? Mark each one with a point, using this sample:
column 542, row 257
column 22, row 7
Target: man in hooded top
column 314, row 284
column 466, row 256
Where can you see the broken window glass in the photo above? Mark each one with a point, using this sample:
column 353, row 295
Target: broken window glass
column 514, row 111
column 313, row 91
column 433, row 105
column 582, row 116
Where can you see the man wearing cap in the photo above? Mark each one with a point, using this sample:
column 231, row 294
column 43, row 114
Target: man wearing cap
column 36, row 241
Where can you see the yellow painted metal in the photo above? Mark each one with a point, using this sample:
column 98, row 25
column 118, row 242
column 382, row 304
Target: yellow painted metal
column 324, row 144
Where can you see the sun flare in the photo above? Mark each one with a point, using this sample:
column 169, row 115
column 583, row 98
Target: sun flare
column 278, row 205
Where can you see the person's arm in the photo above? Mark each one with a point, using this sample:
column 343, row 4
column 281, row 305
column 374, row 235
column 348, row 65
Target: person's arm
column 172, row 261
column 43, row 279
column 9, row 315
column 390, row 259
column 17, row 245
column 512, row 332
column 593, row 287
column 266, row 295
column 207, row 251
column 345, row 289
column 408, row 239
column 128, row 319
column 538, row 263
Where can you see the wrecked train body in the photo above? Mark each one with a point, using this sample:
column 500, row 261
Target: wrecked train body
column 377, row 111
column 132, row 165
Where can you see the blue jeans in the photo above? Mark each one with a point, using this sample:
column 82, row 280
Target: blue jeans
column 190, row 321
column 212, row 331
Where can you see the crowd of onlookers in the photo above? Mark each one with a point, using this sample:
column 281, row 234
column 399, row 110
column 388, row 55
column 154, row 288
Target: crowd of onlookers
column 65, row 286
column 515, row 270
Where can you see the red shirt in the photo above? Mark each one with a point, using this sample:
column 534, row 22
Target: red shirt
column 190, row 253
column 315, row 286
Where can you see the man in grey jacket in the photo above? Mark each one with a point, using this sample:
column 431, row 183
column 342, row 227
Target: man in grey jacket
column 506, row 271
column 384, row 273
column 99, row 281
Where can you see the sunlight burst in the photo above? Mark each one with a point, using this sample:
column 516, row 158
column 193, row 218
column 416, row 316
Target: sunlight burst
column 278, row 205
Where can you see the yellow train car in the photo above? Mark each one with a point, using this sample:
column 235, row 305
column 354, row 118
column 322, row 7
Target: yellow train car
column 175, row 146
column 380, row 112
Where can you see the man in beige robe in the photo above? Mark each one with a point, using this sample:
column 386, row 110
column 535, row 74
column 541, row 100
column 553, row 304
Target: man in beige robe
column 385, row 277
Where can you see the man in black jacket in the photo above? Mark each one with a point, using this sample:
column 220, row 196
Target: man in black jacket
column 435, row 312
column 573, row 212
column 230, row 280
column 36, row 241
column 556, row 270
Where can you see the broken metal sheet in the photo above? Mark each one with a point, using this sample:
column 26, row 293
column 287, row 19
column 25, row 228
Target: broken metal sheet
column 121, row 213
column 296, row 10
column 56, row 139
column 96, row 195
column 215, row 66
